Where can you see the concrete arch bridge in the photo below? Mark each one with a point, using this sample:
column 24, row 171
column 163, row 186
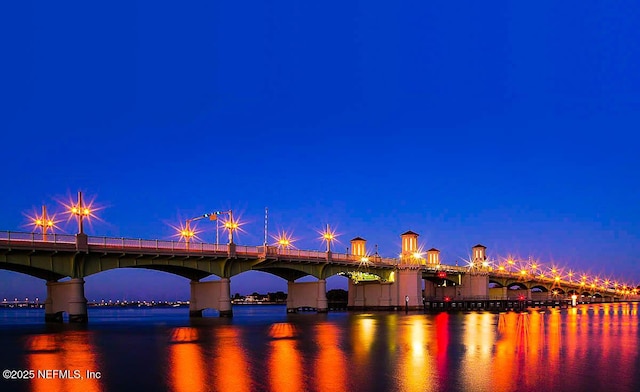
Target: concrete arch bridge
column 63, row 261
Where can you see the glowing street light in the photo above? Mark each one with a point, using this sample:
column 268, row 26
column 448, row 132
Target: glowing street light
column 284, row 240
column 328, row 236
column 187, row 233
column 284, row 243
column 231, row 225
column 44, row 222
column 81, row 211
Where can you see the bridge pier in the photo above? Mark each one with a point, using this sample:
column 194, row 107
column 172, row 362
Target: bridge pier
column 371, row 295
column 215, row 294
column 307, row 295
column 474, row 286
column 405, row 292
column 66, row 296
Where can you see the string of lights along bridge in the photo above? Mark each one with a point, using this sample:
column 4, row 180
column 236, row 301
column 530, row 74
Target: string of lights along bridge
column 415, row 280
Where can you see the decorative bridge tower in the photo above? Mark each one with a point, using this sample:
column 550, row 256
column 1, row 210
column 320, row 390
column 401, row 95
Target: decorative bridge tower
column 404, row 288
column 410, row 251
column 433, row 257
column 479, row 255
column 359, row 247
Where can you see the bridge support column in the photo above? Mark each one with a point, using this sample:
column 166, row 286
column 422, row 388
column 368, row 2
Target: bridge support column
column 475, row 286
column 215, row 294
column 408, row 288
column 429, row 289
column 307, row 295
column 355, row 295
column 370, row 295
column 323, row 306
column 67, row 296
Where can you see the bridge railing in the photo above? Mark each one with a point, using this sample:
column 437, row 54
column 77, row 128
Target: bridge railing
column 322, row 255
column 447, row 268
column 22, row 237
column 248, row 250
column 137, row 243
column 303, row 254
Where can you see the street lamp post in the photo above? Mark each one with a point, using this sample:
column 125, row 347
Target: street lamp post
column 328, row 236
column 231, row 225
column 80, row 211
column 44, row 222
column 187, row 232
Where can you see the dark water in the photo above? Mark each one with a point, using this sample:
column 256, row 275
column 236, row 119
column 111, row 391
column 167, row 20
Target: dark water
column 589, row 348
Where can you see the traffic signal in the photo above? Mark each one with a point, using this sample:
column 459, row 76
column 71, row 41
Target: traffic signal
column 212, row 216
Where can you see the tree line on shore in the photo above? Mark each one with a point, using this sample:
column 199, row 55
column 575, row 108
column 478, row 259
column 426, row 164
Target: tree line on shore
column 334, row 295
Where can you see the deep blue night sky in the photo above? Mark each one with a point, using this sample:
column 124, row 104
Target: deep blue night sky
column 511, row 124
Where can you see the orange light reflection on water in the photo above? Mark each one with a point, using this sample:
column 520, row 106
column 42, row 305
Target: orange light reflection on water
column 363, row 335
column 186, row 361
column 478, row 339
column 414, row 366
column 73, row 351
column 330, row 365
column 230, row 366
column 286, row 371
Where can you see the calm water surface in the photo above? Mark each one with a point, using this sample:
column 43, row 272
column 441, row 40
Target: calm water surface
column 588, row 348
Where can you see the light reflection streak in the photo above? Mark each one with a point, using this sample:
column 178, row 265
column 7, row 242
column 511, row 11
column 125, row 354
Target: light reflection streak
column 330, row 365
column 186, row 361
column 365, row 330
column 504, row 366
column 478, row 339
column 71, row 351
column 230, row 366
column 414, row 367
column 442, row 345
column 286, row 372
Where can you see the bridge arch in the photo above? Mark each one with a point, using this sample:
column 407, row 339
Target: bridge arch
column 185, row 272
column 539, row 288
column 35, row 272
column 586, row 294
column 97, row 286
column 292, row 272
column 190, row 267
column 496, row 283
column 514, row 285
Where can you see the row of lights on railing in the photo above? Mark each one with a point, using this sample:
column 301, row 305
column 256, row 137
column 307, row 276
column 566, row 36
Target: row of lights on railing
column 46, row 223
column 535, row 270
column 284, row 240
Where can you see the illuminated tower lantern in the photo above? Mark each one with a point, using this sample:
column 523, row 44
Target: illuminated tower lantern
column 409, row 245
column 433, row 256
column 359, row 247
column 479, row 255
